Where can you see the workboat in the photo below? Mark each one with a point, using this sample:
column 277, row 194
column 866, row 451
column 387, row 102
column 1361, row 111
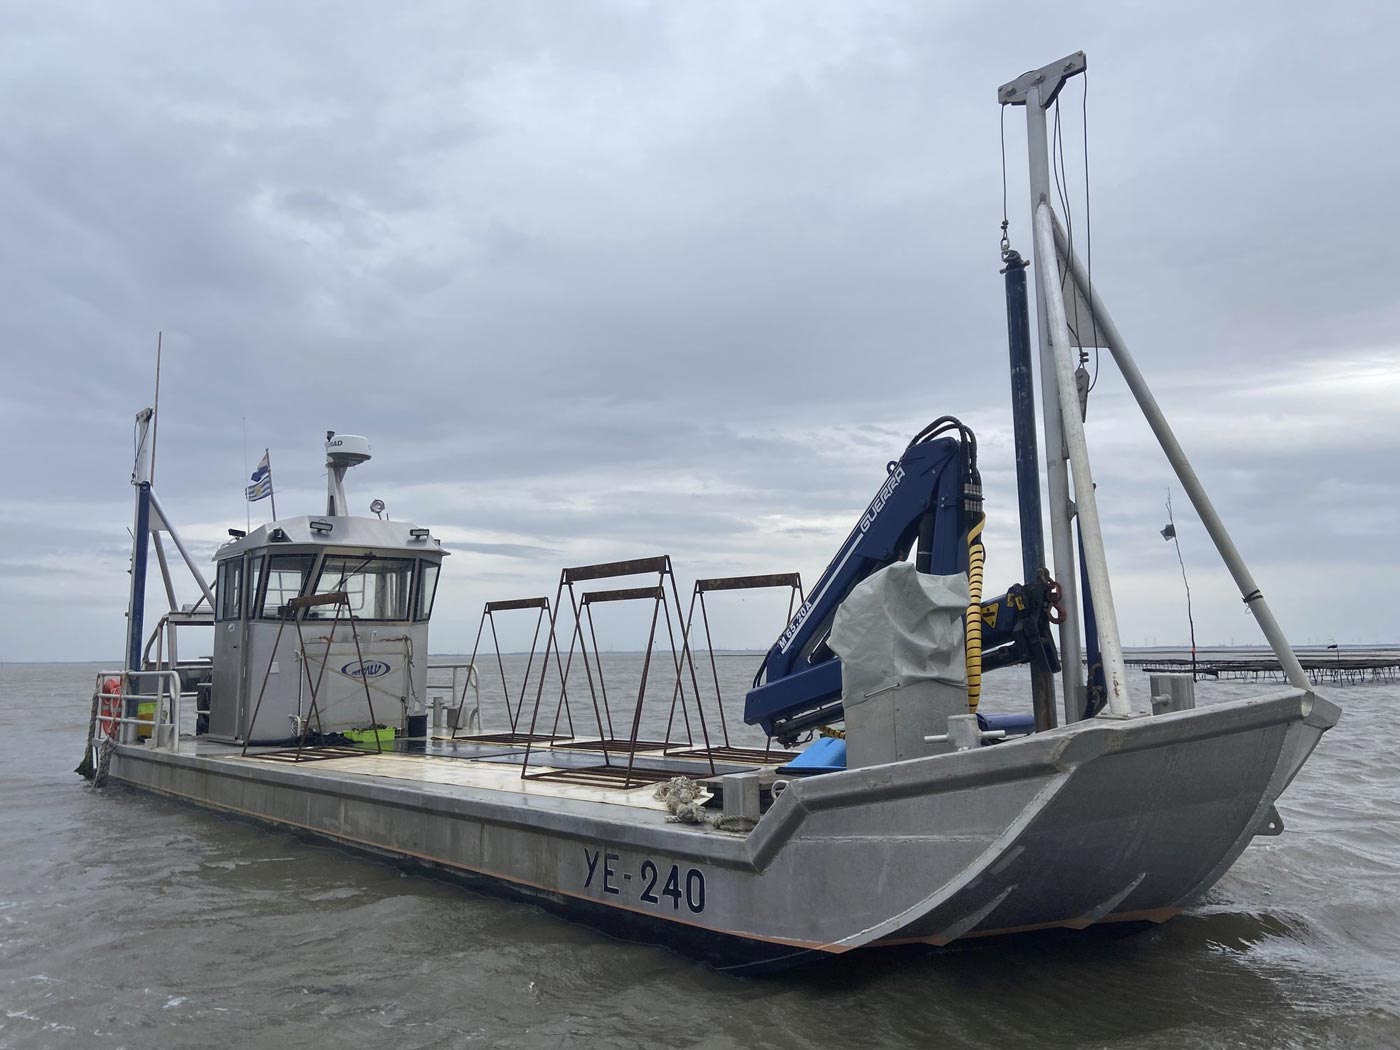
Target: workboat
column 883, row 807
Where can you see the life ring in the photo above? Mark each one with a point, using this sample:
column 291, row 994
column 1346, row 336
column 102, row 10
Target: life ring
column 110, row 707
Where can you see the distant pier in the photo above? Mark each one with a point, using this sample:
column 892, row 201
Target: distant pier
column 1353, row 667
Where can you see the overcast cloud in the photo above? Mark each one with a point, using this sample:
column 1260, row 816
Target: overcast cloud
column 602, row 280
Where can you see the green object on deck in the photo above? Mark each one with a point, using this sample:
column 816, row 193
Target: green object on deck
column 379, row 736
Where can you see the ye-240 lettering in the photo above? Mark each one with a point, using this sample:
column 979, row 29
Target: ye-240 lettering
column 653, row 883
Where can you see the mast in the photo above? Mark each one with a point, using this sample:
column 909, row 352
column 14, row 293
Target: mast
column 140, row 533
column 1099, row 590
column 1037, row 91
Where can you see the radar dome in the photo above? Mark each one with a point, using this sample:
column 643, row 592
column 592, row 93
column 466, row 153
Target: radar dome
column 346, row 450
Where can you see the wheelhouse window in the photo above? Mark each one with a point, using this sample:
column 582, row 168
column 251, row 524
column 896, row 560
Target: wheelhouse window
column 255, row 575
column 229, row 589
column 427, row 589
column 285, row 576
column 378, row 588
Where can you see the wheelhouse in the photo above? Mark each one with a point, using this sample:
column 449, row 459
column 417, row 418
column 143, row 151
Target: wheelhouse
column 334, row 609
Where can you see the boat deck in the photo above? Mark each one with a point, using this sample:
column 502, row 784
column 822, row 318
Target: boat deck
column 574, row 769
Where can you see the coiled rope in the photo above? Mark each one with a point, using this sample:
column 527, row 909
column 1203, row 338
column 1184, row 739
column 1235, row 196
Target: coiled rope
column 685, row 799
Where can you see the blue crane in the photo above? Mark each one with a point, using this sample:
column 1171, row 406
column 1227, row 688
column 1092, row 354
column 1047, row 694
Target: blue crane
column 929, row 503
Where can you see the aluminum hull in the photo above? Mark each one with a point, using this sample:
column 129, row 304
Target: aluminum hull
column 1101, row 821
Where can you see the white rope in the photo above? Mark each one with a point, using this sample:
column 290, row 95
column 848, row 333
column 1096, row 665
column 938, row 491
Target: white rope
column 683, row 798
column 686, row 799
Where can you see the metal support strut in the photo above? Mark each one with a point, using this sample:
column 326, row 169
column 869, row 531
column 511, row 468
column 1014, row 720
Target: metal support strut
column 1086, row 501
column 1229, row 553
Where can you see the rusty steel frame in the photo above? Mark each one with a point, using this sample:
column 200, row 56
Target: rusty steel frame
column 792, row 580
column 291, row 611
column 604, row 776
column 513, row 714
column 312, row 754
column 581, row 609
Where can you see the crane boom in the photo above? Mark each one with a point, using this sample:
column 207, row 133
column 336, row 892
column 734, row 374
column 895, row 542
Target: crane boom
column 928, row 502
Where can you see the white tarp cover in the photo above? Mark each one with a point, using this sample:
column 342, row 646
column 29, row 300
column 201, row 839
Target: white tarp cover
column 900, row 626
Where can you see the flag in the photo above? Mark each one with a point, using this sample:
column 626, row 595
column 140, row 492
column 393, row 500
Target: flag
column 261, row 487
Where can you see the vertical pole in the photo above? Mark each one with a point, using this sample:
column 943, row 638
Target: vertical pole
column 335, row 482
column 1023, row 419
column 1018, row 327
column 247, row 505
column 140, row 544
column 139, row 548
column 1086, row 501
column 1056, row 460
column 155, row 411
column 271, row 485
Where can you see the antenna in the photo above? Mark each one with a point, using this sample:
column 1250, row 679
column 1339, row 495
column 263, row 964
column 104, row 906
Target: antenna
column 155, row 411
column 1170, row 533
column 247, row 506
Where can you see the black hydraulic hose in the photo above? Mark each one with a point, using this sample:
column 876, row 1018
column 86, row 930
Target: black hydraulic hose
column 942, row 425
column 758, row 675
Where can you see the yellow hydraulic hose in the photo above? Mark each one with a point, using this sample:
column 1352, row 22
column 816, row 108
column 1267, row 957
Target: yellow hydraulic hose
column 976, row 557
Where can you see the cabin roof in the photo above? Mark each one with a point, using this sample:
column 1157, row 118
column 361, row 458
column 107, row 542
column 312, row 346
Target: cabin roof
column 344, row 532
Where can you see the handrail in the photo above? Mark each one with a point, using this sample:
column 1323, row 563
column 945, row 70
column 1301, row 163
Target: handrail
column 164, row 627
column 473, row 683
column 169, row 688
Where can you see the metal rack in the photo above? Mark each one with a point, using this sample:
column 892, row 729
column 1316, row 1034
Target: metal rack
column 728, row 750
column 609, row 742
column 291, row 613
column 516, row 710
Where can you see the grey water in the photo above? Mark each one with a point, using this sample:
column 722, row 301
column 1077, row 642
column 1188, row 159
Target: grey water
column 131, row 921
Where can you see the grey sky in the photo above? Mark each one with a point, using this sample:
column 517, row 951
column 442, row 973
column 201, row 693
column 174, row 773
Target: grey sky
column 603, row 280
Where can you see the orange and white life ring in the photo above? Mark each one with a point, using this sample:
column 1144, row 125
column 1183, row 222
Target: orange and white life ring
column 109, row 708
